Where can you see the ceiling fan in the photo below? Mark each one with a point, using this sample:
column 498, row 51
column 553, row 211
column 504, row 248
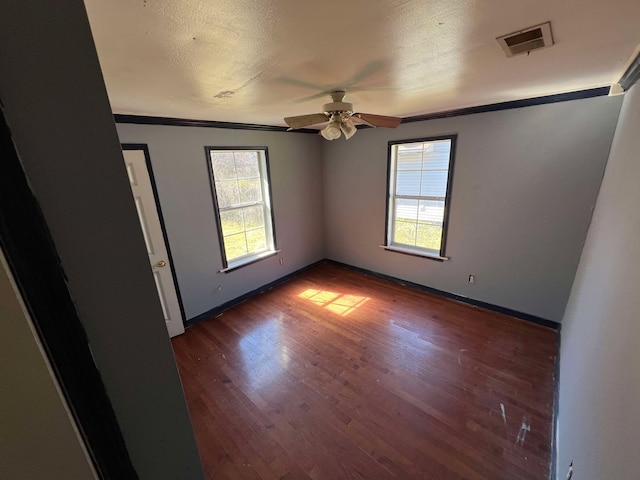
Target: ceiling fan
column 341, row 118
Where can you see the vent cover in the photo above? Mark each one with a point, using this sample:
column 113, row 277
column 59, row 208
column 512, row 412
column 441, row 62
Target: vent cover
column 524, row 41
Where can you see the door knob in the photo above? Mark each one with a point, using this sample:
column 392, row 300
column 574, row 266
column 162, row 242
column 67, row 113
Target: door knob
column 161, row 263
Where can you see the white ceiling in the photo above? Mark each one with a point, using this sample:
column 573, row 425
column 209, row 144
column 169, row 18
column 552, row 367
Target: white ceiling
column 256, row 61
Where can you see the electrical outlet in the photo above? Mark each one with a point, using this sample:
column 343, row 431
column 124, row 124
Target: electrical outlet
column 281, row 260
column 472, row 279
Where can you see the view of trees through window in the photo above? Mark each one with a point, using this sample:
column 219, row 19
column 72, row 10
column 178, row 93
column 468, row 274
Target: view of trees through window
column 241, row 188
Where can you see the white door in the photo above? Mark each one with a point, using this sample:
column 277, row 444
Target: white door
column 153, row 238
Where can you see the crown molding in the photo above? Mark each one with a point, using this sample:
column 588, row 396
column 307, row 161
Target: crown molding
column 633, row 71
column 631, row 74
column 527, row 102
column 183, row 122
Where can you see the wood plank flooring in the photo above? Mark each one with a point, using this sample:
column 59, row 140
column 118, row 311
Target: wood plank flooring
column 340, row 375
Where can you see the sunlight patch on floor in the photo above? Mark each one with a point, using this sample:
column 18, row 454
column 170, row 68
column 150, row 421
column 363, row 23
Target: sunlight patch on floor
column 339, row 303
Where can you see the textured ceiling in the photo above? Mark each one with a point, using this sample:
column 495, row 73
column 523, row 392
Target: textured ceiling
column 256, row 61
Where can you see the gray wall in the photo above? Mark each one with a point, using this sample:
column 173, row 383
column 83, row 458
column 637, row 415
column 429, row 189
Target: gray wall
column 599, row 425
column 182, row 179
column 34, row 420
column 524, row 185
column 57, row 108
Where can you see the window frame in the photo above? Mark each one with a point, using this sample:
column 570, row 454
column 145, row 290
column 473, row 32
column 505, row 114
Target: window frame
column 265, row 173
column 389, row 217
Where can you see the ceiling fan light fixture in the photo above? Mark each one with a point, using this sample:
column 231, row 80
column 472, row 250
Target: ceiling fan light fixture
column 331, row 131
column 348, row 128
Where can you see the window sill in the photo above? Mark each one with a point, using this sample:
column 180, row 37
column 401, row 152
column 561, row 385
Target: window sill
column 415, row 253
column 249, row 261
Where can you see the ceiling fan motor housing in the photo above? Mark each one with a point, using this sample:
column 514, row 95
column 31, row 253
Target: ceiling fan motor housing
column 335, row 107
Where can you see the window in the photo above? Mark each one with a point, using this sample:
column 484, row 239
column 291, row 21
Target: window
column 420, row 173
column 242, row 199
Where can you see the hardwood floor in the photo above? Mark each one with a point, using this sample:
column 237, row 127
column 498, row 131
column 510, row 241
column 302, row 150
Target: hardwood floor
column 339, row 375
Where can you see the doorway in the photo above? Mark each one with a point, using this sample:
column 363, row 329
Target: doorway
column 138, row 164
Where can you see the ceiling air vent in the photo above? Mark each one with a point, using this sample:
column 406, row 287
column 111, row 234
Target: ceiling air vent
column 523, row 41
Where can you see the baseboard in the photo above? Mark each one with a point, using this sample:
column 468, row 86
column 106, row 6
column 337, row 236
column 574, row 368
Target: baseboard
column 233, row 302
column 477, row 303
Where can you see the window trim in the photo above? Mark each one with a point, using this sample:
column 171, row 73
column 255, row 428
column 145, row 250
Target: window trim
column 248, row 259
column 416, row 251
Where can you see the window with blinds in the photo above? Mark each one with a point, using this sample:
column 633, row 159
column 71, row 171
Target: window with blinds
column 242, row 200
column 420, row 174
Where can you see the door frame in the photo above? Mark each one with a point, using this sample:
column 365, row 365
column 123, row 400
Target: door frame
column 35, row 266
column 147, row 160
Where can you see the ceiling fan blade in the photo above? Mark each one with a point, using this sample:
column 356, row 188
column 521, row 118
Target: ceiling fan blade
column 301, row 83
column 371, row 89
column 366, row 71
column 379, row 120
column 313, row 97
column 359, row 121
column 306, row 120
